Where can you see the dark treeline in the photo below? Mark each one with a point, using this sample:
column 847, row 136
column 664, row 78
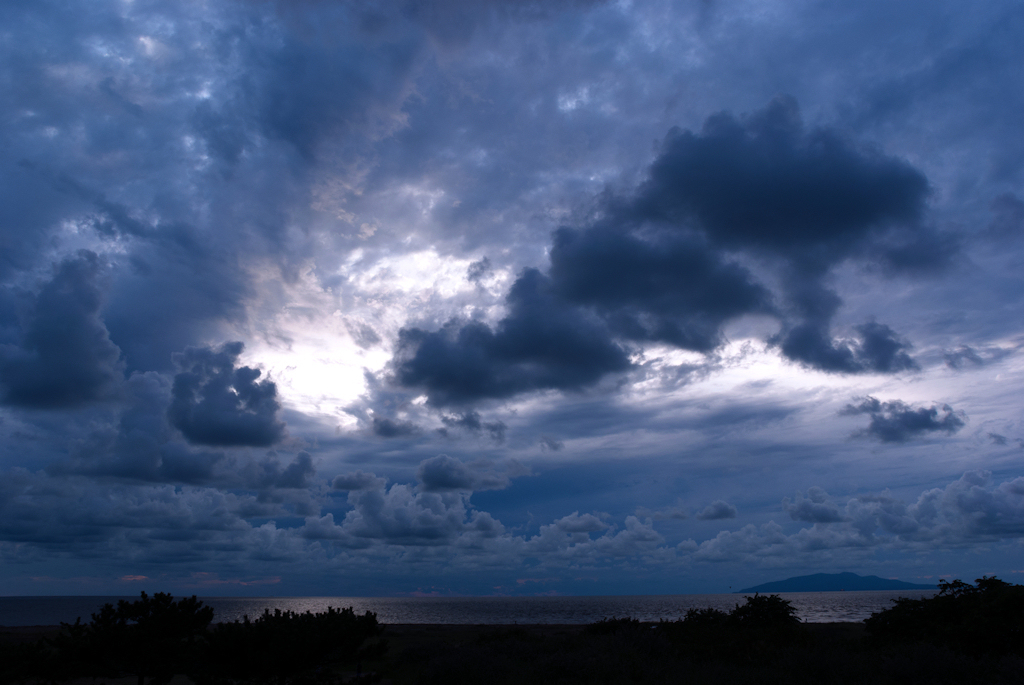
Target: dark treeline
column 155, row 638
column 965, row 634
column 987, row 618
column 761, row 641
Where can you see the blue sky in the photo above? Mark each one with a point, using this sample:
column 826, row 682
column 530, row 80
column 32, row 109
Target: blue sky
column 350, row 298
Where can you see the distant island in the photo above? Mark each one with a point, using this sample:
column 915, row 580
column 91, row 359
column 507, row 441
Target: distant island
column 834, row 582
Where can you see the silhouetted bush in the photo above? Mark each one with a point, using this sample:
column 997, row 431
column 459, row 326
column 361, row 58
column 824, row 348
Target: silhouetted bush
column 287, row 647
column 708, row 619
column 986, row 618
column 152, row 637
column 760, row 624
column 607, row 626
column 156, row 638
column 766, row 613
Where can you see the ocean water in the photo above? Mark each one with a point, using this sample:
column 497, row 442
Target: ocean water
column 811, row 607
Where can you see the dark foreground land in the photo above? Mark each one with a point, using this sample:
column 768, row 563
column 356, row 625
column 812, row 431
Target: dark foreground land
column 966, row 634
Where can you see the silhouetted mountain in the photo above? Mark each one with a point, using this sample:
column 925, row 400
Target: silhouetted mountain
column 832, row 582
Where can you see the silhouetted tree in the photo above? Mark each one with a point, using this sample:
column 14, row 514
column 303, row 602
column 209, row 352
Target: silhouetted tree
column 760, row 622
column 986, row 617
column 765, row 612
column 610, row 626
column 285, row 646
column 152, row 637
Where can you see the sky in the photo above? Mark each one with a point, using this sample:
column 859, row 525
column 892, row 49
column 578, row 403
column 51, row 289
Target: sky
column 502, row 297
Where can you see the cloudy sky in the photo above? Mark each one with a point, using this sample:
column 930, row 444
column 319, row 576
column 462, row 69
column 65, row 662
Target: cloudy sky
column 461, row 297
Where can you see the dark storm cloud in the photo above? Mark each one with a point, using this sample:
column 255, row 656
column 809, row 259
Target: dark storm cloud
column 393, row 428
column 182, row 276
column 716, row 511
column 312, row 87
column 548, row 443
column 963, row 355
column 879, row 349
column 543, row 343
column 967, row 510
column 575, row 523
column 471, row 422
column 664, row 288
column 141, row 445
column 814, row 507
column 654, row 266
column 296, row 475
column 966, row 356
column 64, row 357
column 897, row 421
column 163, row 525
column 358, row 481
column 767, row 183
column 213, row 403
column 169, row 268
column 809, row 340
column 980, row 509
column 927, row 253
column 876, row 349
column 436, row 513
column 443, row 474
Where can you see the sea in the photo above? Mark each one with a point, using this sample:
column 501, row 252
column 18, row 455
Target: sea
column 811, row 607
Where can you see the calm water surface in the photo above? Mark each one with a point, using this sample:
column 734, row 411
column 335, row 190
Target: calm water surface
column 812, row 607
